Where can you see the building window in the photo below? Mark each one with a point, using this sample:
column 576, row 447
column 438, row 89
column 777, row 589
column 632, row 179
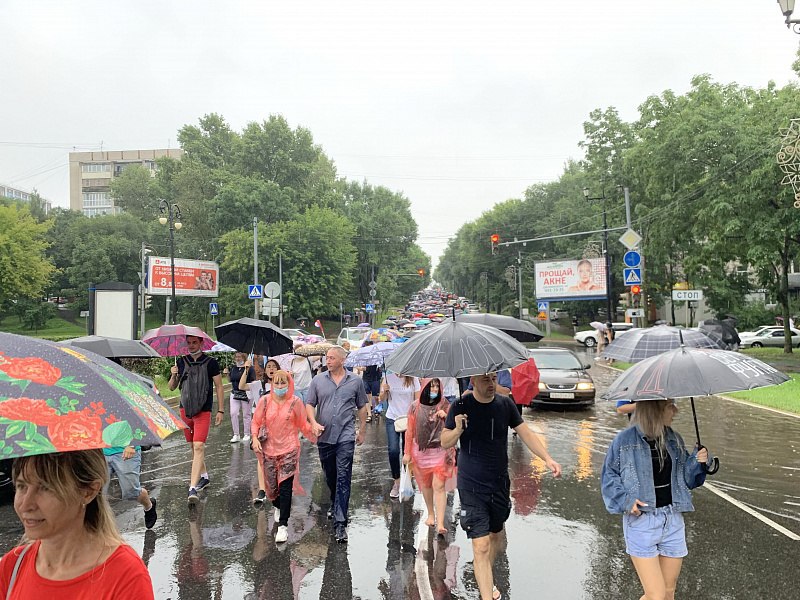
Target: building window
column 97, row 199
column 95, row 183
column 95, row 167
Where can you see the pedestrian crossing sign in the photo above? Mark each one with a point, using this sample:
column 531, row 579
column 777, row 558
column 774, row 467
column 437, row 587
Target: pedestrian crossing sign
column 254, row 292
column 542, row 306
column 632, row 276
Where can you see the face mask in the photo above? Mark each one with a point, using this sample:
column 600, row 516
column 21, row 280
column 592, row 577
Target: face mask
column 280, row 391
column 434, row 395
column 239, row 363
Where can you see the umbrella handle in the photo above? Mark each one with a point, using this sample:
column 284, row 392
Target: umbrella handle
column 711, row 468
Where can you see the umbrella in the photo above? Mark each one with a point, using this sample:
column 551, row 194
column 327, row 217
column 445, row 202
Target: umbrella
column 457, row 349
column 308, row 339
column 55, row 398
column 422, row 322
column 389, row 322
column 363, row 325
column 724, row 329
column 689, row 372
column 220, row 347
column 254, row 336
column 170, row 340
column 319, row 349
column 522, row 331
column 284, row 360
column 598, row 325
column 639, row 344
column 110, row 347
column 370, row 355
column 381, row 335
column 525, row 382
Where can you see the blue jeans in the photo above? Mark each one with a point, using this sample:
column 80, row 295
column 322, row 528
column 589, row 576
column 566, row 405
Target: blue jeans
column 337, row 464
column 128, row 472
column 394, row 442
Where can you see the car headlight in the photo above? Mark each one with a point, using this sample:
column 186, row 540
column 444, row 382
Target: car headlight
column 585, row 385
column 542, row 385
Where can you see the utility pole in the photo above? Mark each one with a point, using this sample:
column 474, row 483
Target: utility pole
column 280, row 283
column 519, row 285
column 142, row 300
column 255, row 263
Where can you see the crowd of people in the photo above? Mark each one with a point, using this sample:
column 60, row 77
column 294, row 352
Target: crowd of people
column 448, row 436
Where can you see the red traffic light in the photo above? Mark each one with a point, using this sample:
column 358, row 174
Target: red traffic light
column 421, row 272
column 495, row 238
column 636, row 289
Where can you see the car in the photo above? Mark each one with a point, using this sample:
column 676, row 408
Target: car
column 760, row 329
column 295, row 333
column 563, row 379
column 768, row 337
column 589, row 338
column 354, row 335
column 558, row 313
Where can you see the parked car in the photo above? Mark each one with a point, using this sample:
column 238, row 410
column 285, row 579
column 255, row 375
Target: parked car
column 760, row 329
column 768, row 337
column 563, row 379
column 295, row 333
column 558, row 313
column 354, row 335
column 589, row 338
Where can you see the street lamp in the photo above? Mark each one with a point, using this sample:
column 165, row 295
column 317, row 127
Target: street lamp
column 170, row 213
column 787, row 8
column 606, row 258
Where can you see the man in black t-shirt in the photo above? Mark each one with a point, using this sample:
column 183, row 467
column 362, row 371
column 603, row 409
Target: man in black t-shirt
column 480, row 420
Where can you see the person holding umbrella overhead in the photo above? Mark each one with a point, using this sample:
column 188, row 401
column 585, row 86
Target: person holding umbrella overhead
column 646, row 477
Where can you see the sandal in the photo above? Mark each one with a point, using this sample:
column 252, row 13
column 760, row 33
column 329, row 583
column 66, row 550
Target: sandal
column 496, row 595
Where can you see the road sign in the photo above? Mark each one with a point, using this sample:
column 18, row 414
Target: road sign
column 687, row 295
column 542, row 316
column 372, row 285
column 370, row 307
column 635, row 312
column 632, row 276
column 542, row 307
column 373, row 293
column 630, row 239
column 272, row 289
column 254, row 292
column 632, row 259
column 213, row 308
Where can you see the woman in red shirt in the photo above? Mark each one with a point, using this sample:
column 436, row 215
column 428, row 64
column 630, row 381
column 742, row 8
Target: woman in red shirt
column 73, row 548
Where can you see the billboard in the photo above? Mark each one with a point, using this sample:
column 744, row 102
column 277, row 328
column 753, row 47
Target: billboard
column 192, row 277
column 583, row 279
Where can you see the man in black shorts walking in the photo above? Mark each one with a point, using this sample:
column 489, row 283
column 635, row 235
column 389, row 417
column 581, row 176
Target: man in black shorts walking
column 481, row 420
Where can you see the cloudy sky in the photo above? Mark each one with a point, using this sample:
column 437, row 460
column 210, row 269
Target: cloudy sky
column 457, row 104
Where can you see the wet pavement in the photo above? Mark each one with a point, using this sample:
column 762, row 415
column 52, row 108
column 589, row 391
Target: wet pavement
column 562, row 544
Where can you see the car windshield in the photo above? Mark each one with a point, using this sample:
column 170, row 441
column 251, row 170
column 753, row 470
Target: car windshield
column 356, row 335
column 556, row 360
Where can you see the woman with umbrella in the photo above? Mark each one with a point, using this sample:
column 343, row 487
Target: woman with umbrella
column 72, row 548
column 433, row 465
column 280, row 416
column 647, row 475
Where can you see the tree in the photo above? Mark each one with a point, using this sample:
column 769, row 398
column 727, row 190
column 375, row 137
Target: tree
column 24, row 271
column 134, row 192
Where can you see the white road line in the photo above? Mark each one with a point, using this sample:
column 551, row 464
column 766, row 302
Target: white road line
column 780, row 528
column 421, row 566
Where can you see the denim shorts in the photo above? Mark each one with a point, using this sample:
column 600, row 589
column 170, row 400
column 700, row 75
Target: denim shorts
column 127, row 471
column 660, row 532
column 372, row 388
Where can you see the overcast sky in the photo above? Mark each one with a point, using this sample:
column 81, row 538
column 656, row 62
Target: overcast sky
column 457, row 104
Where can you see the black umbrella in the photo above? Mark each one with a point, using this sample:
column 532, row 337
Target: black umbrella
column 112, row 347
column 639, row 344
column 725, row 329
column 522, row 331
column 254, row 337
column 689, row 372
column 457, row 349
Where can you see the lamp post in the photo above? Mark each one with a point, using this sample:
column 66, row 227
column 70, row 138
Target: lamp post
column 606, row 258
column 171, row 214
column 787, row 8
column 142, row 296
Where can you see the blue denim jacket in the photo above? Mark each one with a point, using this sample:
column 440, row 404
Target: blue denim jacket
column 628, row 472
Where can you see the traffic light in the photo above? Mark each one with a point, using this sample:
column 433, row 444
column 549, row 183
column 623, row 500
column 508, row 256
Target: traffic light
column 495, row 239
column 421, row 272
column 148, row 301
column 636, row 291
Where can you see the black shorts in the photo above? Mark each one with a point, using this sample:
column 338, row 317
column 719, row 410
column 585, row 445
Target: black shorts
column 483, row 513
column 372, row 388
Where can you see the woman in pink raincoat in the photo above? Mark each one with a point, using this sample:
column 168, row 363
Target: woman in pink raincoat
column 434, row 467
column 278, row 418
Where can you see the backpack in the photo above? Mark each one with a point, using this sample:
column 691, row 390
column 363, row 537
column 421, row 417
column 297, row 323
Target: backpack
column 194, row 385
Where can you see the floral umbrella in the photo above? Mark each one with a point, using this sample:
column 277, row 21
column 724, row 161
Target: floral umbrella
column 55, row 398
column 381, row 334
column 170, row 340
column 311, row 338
column 320, row 349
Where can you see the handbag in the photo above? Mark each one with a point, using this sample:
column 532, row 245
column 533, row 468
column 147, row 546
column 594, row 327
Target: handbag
column 262, row 430
column 401, row 424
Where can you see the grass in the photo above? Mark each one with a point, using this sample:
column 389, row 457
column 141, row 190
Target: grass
column 783, row 397
column 57, row 329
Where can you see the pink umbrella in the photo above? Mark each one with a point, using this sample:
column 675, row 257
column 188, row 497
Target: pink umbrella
column 170, row 340
column 308, row 339
column 284, row 360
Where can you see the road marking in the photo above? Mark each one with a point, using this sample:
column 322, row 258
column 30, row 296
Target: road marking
column 780, row 528
column 421, row 566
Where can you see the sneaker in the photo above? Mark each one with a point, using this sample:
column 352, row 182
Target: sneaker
column 151, row 516
column 259, row 499
column 282, row 535
column 395, row 493
column 340, row 533
column 330, row 514
column 193, row 498
column 235, row 439
column 246, row 439
column 204, row 481
column 277, row 514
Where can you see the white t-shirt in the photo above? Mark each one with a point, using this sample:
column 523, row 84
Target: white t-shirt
column 301, row 373
column 400, row 397
column 450, row 385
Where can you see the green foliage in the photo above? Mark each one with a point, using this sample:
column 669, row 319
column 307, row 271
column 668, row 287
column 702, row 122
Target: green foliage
column 34, row 314
column 24, row 269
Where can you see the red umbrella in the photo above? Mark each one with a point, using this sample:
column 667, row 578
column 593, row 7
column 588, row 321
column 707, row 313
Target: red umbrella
column 170, row 340
column 525, row 382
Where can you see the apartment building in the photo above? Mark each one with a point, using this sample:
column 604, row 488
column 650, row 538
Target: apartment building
column 91, row 173
column 17, row 194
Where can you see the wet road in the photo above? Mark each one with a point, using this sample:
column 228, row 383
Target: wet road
column 561, row 542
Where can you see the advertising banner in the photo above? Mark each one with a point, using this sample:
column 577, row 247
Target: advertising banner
column 583, row 279
column 192, row 277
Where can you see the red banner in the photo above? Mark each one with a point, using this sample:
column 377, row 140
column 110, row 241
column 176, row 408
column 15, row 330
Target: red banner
column 192, row 277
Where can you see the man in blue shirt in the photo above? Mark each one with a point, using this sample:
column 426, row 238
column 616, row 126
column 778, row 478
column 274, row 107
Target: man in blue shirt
column 334, row 398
